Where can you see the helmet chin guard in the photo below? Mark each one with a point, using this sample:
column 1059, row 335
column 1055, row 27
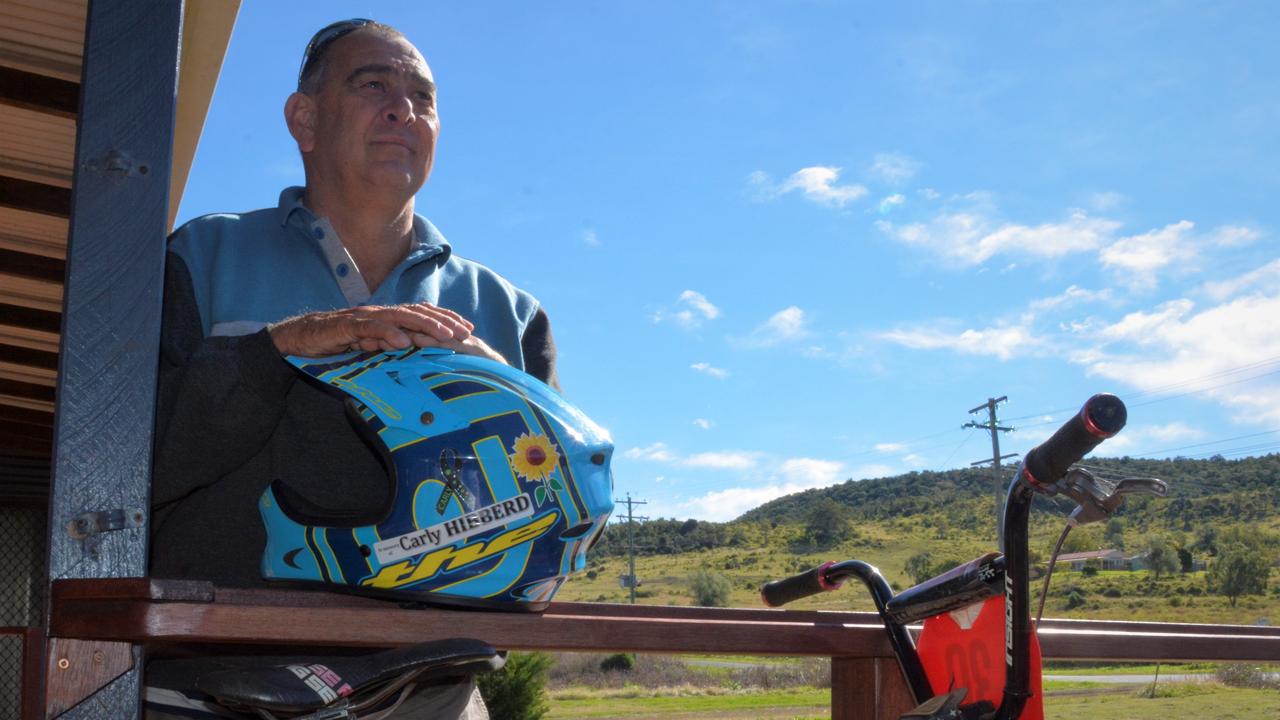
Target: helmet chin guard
column 499, row 485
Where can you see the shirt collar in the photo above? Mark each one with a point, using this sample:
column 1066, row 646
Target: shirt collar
column 291, row 202
column 428, row 241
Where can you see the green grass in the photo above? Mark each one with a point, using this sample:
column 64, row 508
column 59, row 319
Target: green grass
column 576, row 703
column 1208, row 701
column 1188, row 700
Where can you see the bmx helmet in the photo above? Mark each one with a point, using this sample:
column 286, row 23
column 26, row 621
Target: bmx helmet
column 499, row 485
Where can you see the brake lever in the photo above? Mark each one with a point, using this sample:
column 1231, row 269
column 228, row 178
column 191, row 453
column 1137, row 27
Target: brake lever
column 1099, row 498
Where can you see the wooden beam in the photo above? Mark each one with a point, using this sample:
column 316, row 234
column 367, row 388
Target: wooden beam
column 111, row 322
column 34, row 197
column 157, row 611
column 206, row 32
column 39, row 92
column 35, row 267
column 40, row 320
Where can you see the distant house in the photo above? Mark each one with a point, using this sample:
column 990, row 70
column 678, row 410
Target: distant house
column 1107, row 559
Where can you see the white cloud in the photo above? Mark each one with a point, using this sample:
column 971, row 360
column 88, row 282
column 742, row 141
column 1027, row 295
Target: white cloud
column 1266, row 277
column 893, row 201
column 724, row 460
column 1139, row 257
column 1000, row 342
column 894, row 168
column 589, row 238
column 689, row 310
column 792, row 475
column 699, row 303
column 890, row 447
column 703, row 423
column 818, row 184
column 913, row 460
column 1229, row 236
column 786, row 325
column 972, row 237
column 708, row 369
column 656, row 452
column 1167, row 349
column 1071, row 296
column 929, row 193
column 727, row 504
column 811, row 472
column 719, row 460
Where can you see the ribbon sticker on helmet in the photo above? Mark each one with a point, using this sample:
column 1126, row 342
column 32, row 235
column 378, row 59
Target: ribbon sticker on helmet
column 451, row 468
column 534, row 458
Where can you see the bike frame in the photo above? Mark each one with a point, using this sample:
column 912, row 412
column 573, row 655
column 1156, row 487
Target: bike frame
column 1101, row 417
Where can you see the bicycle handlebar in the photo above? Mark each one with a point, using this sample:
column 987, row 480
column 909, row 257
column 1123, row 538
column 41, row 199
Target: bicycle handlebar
column 1102, row 416
column 810, row 582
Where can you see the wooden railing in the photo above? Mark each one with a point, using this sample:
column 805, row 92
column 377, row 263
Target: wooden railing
column 104, row 618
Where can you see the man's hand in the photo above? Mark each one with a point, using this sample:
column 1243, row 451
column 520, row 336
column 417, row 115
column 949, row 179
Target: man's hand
column 471, row 345
column 371, row 328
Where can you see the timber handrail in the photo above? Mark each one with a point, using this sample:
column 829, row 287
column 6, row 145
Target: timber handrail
column 866, row 683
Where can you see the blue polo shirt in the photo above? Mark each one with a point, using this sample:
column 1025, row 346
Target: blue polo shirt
column 251, row 269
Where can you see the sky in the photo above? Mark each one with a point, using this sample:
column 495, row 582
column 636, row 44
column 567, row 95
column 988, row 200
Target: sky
column 785, row 245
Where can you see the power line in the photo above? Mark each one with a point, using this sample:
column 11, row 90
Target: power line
column 631, row 543
column 994, row 427
column 1211, row 442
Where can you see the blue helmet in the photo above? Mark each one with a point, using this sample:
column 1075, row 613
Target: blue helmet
column 500, row 486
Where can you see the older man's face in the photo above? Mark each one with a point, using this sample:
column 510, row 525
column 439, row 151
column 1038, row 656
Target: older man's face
column 376, row 117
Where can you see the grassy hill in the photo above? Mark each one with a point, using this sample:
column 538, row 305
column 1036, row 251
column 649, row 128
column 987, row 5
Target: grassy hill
column 950, row 515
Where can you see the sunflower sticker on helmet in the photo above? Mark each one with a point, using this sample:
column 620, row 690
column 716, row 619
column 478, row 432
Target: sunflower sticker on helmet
column 496, row 497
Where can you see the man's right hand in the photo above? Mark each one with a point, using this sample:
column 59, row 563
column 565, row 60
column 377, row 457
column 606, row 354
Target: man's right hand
column 368, row 328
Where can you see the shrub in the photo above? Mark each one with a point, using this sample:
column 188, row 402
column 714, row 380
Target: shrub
column 1246, row 676
column 618, row 662
column 519, row 690
column 710, row 589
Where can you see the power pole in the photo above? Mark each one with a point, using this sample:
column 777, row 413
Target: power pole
column 631, row 543
column 995, row 428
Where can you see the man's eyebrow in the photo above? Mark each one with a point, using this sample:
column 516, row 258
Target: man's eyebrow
column 383, row 69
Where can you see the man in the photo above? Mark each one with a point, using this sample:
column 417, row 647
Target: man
column 341, row 264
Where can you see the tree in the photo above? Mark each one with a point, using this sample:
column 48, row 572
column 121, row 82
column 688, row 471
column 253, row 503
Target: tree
column 519, row 689
column 826, row 523
column 710, row 588
column 919, row 567
column 1161, row 558
column 1238, row 570
column 1207, row 539
column 1114, row 536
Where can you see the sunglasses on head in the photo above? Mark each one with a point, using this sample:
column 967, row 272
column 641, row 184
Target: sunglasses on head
column 321, row 40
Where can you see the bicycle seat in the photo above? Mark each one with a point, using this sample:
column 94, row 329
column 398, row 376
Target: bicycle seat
column 323, row 681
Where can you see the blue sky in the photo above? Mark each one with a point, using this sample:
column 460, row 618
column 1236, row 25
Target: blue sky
column 787, row 244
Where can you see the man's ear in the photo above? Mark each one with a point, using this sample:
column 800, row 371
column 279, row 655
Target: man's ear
column 300, row 117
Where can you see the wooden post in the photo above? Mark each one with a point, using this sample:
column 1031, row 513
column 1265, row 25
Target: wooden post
column 868, row 689
column 100, row 489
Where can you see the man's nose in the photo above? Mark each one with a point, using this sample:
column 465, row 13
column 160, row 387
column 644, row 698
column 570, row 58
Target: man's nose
column 399, row 110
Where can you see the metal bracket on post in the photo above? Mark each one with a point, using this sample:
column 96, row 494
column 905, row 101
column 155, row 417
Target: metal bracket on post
column 86, row 527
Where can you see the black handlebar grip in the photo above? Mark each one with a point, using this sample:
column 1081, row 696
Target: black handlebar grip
column 1102, row 416
column 810, row 582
